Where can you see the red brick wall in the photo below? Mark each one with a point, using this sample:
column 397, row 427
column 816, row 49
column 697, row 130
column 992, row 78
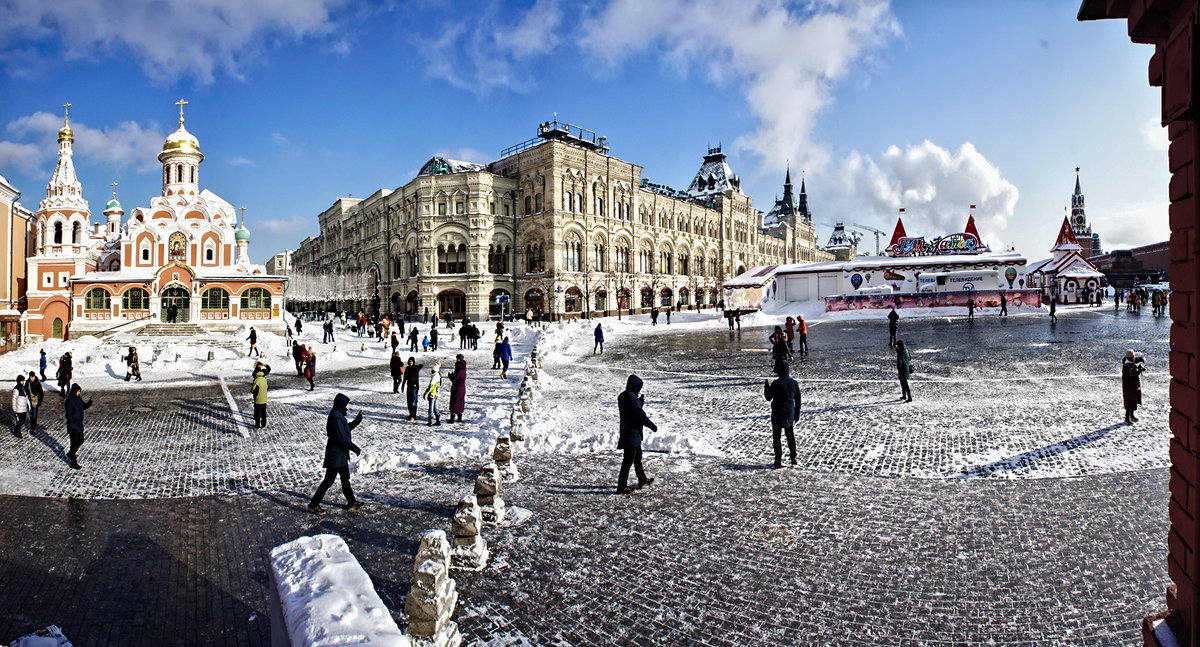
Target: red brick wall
column 1171, row 26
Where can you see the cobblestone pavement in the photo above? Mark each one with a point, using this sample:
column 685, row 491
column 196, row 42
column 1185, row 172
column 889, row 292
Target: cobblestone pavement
column 150, row 441
column 849, row 548
column 1000, row 398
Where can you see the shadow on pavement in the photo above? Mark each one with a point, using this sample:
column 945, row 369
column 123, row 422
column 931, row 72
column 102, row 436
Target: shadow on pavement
column 1028, row 458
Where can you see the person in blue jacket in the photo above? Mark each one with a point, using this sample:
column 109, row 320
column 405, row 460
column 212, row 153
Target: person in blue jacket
column 599, row 334
column 505, row 354
column 633, row 419
column 337, row 455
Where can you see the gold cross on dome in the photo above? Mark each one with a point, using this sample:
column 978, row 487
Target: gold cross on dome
column 66, row 111
column 243, row 209
column 114, row 186
column 181, row 103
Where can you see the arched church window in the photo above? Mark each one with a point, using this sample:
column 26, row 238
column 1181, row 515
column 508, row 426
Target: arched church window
column 214, row 299
column 537, row 202
column 193, row 175
column 135, row 299
column 256, row 299
column 177, row 247
column 97, row 299
column 76, row 233
column 58, row 233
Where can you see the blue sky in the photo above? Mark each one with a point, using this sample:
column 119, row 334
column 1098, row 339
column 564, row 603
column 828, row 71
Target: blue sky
column 930, row 105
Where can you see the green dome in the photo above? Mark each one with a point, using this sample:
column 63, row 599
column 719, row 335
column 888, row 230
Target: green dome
column 242, row 234
column 112, row 204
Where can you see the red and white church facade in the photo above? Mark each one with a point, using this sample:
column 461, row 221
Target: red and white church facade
column 181, row 259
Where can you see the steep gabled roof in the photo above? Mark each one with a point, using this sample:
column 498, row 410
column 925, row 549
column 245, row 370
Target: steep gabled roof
column 898, row 232
column 1066, row 238
column 970, row 229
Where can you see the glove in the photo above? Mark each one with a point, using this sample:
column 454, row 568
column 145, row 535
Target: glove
column 358, row 418
column 356, row 450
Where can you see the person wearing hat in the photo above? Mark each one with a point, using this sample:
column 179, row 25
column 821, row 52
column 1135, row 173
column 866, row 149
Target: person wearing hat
column 784, row 396
column 259, row 390
column 337, row 455
column 1131, row 384
column 20, row 405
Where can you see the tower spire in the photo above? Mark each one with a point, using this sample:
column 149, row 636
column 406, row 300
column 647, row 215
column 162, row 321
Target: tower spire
column 181, row 103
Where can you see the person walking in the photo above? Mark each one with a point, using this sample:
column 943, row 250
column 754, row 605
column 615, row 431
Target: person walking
column 1003, row 304
column 893, row 324
column 780, row 352
column 20, row 406
column 75, row 407
column 1131, row 384
column 260, row 399
column 653, row 316
column 668, row 315
column 310, row 367
column 299, row 326
column 599, row 335
column 42, row 364
column 338, row 446
column 904, row 369
column 496, row 350
column 33, row 387
column 411, row 382
column 790, row 328
column 633, row 420
column 133, row 367
column 505, row 353
column 784, row 396
column 801, row 331
column 298, row 356
column 970, row 308
column 412, row 339
column 1053, row 316
column 464, row 334
column 395, row 342
column 729, row 316
column 397, row 370
column 253, row 343
column 433, row 337
column 64, row 373
column 458, row 388
column 431, row 394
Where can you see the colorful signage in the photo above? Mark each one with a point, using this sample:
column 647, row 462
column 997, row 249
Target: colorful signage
column 960, row 243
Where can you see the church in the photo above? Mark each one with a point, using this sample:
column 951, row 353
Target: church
column 181, row 259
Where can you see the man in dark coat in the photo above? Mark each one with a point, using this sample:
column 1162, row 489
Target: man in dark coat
column 633, row 419
column 412, row 340
column 1131, row 384
column 1003, row 304
column 784, row 396
column 298, row 356
column 903, row 370
column 893, row 324
column 433, row 335
column 599, row 335
column 74, row 409
column 458, row 388
column 397, row 366
column 411, row 383
column 337, row 455
column 253, row 342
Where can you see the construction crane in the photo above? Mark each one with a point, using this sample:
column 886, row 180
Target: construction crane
column 875, row 231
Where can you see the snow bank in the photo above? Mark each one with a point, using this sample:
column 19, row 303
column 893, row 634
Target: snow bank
column 322, row 596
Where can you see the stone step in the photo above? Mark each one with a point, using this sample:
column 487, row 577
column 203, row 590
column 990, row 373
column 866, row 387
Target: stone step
column 170, row 330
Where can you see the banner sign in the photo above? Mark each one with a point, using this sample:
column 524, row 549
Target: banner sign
column 960, row 243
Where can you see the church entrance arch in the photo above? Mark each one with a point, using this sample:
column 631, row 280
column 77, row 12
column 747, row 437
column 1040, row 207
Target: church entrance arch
column 176, row 305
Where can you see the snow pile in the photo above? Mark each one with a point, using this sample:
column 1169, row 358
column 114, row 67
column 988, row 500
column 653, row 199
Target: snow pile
column 325, row 597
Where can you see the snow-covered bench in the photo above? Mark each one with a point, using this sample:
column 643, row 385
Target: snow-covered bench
column 320, row 595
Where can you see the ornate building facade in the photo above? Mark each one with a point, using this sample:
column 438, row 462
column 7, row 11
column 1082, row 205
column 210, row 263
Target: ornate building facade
column 556, row 225
column 1089, row 241
column 181, row 259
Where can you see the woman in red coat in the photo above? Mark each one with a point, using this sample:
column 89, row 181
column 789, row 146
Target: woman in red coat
column 458, row 388
column 310, row 366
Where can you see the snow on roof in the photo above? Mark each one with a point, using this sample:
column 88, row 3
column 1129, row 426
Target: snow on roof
column 714, row 177
column 762, row 274
column 438, row 165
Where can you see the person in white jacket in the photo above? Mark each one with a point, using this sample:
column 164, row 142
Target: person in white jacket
column 20, row 405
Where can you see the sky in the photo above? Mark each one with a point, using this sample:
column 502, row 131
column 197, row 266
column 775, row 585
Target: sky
column 929, row 105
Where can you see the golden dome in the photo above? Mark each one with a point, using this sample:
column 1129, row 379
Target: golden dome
column 66, row 133
column 181, row 141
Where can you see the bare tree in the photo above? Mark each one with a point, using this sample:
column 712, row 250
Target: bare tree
column 619, row 276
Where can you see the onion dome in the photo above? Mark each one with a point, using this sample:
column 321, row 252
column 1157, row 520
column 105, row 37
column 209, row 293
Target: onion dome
column 242, row 234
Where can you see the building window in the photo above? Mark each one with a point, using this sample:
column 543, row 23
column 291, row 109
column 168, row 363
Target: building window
column 135, row 299
column 598, row 264
column 441, row 208
column 209, row 252
column 528, row 205
column 458, row 208
column 97, row 299
column 537, row 202
column 256, row 299
column 218, row 299
column 506, row 211
column 76, row 234
column 535, row 258
column 573, row 255
column 58, row 233
column 452, row 259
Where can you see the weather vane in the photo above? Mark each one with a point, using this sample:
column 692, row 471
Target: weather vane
column 181, row 103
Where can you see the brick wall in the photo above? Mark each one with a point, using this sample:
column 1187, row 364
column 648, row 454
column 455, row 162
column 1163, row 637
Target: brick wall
column 1172, row 26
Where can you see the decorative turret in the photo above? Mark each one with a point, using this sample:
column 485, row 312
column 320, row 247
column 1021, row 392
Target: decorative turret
column 241, row 237
column 181, row 159
column 62, row 217
column 714, row 177
column 789, row 207
column 112, row 216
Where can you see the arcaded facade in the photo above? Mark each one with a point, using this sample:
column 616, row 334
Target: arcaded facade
column 556, row 225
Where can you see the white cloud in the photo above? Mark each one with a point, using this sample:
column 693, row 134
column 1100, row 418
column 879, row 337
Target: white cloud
column 196, row 38
column 1132, row 226
column 934, row 185
column 27, row 157
column 484, row 51
column 467, row 154
column 127, row 144
column 1155, row 134
column 279, row 229
column 238, row 160
column 785, row 59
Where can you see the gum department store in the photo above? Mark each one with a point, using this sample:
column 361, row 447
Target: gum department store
column 556, row 225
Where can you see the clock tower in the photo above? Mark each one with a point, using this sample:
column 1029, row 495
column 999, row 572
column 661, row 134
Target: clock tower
column 1089, row 242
